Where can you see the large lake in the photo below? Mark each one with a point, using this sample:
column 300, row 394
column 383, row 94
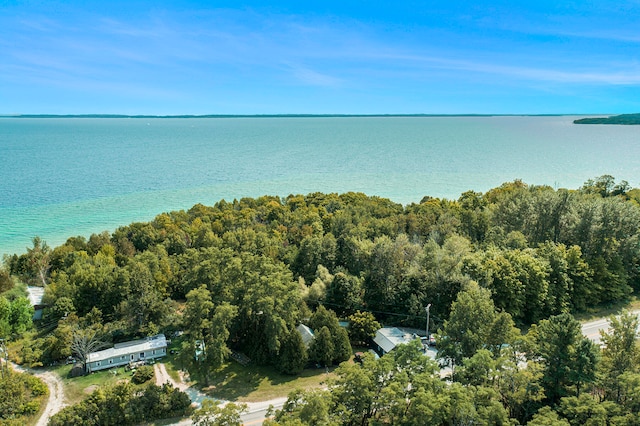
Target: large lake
column 63, row 177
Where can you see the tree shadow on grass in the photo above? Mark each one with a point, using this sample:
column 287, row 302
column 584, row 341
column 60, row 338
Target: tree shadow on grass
column 234, row 381
column 607, row 309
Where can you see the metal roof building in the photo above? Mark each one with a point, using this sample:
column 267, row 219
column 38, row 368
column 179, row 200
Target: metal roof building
column 126, row 352
column 387, row 338
column 306, row 333
column 36, row 295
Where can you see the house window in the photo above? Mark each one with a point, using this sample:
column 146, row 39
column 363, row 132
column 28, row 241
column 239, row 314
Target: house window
column 131, row 357
column 141, row 354
column 97, row 363
column 110, row 361
column 153, row 352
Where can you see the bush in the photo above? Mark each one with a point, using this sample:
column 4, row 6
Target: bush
column 123, row 404
column 142, row 374
column 29, row 408
column 18, row 396
column 37, row 386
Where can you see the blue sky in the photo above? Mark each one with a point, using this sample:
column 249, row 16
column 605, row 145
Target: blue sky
column 347, row 57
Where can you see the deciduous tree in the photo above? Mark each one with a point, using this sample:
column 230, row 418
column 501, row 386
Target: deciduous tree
column 84, row 342
column 474, row 324
column 362, row 326
column 211, row 413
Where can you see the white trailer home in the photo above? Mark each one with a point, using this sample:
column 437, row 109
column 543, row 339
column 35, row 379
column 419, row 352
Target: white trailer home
column 126, row 352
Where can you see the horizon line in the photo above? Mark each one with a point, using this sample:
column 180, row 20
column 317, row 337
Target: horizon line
column 150, row 116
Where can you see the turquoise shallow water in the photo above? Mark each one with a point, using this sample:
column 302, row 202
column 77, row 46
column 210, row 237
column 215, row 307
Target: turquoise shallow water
column 63, row 177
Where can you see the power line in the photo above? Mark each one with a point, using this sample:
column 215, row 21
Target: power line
column 366, row 309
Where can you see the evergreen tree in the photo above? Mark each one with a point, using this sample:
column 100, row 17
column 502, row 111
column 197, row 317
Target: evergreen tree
column 567, row 357
column 342, row 350
column 293, row 354
column 321, row 349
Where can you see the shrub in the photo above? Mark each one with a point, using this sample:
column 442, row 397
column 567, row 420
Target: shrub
column 142, row 374
column 123, row 404
column 18, row 392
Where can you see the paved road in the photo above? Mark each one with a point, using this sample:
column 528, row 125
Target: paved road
column 257, row 412
column 255, row 415
column 592, row 329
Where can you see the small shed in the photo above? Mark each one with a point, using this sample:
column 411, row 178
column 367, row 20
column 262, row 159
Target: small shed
column 306, row 333
column 36, row 294
column 126, row 352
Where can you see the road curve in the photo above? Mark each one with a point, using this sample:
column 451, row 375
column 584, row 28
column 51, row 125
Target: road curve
column 591, row 329
column 56, row 396
column 55, row 402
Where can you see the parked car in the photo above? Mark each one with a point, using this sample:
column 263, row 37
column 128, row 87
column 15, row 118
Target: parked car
column 431, row 342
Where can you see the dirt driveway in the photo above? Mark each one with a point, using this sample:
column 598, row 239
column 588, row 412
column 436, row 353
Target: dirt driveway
column 55, row 402
column 162, row 377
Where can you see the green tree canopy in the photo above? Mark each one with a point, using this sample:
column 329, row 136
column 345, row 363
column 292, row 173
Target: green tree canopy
column 568, row 358
column 474, row 324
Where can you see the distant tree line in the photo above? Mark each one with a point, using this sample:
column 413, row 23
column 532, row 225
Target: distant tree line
column 627, row 119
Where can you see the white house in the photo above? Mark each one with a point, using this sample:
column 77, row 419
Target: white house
column 126, row 352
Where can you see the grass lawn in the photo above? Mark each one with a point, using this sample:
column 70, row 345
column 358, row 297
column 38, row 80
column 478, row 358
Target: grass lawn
column 260, row 383
column 252, row 383
column 605, row 311
column 172, row 361
column 78, row 388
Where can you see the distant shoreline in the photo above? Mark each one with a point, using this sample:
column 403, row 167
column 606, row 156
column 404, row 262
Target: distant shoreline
column 623, row 119
column 272, row 115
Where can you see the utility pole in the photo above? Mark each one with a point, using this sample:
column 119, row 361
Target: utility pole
column 3, row 351
column 428, row 337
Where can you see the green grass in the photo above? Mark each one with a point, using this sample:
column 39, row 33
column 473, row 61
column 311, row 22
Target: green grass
column 252, row 383
column 172, row 362
column 77, row 388
column 606, row 310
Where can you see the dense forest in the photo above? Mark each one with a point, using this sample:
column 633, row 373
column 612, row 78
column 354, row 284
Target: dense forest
column 242, row 275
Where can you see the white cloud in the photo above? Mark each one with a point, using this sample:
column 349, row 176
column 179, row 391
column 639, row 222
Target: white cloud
column 311, row 77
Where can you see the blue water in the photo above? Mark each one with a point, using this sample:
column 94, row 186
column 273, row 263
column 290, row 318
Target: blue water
column 64, row 177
